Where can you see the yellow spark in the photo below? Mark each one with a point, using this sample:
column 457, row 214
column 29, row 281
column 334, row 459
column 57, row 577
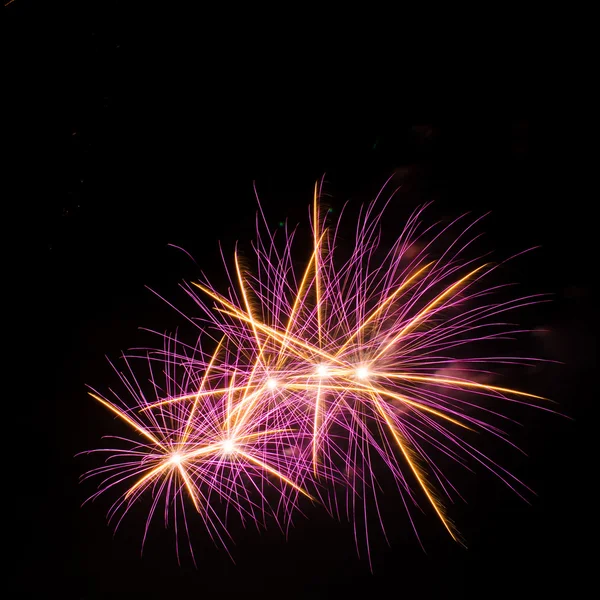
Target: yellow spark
column 417, row 471
column 205, row 394
column 459, row 383
column 382, row 307
column 275, row 472
column 128, row 420
column 178, row 459
column 277, row 335
column 216, row 447
column 317, row 270
column 190, row 487
column 175, row 461
column 382, row 392
column 292, row 317
column 248, row 308
column 204, row 378
column 231, row 412
column 149, row 475
column 421, row 315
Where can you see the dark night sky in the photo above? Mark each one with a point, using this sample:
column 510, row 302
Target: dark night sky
column 137, row 132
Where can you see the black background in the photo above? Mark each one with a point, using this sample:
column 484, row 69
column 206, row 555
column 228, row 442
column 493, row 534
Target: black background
column 138, row 129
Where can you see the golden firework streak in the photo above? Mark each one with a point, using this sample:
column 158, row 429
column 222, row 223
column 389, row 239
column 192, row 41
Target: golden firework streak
column 206, row 394
column 417, row 471
column 382, row 306
column 275, row 472
column 193, row 410
column 442, row 381
column 128, row 420
column 370, row 389
column 159, row 469
column 190, row 487
column 248, row 308
column 317, row 269
column 420, row 316
column 291, row 320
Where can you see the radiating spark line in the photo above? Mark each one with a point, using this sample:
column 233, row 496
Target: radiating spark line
column 381, row 308
column 204, row 378
column 128, row 420
column 279, row 336
column 208, row 394
column 437, row 506
column 299, row 295
column 421, row 315
column 251, row 436
column 259, row 344
column 383, row 392
column 275, row 472
column 243, row 404
column 442, row 381
column 159, row 469
column 190, row 487
column 248, row 308
column 317, row 268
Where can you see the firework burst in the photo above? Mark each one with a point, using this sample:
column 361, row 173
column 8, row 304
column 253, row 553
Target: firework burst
column 320, row 373
column 194, row 451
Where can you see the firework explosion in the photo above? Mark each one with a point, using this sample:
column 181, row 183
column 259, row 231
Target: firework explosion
column 317, row 377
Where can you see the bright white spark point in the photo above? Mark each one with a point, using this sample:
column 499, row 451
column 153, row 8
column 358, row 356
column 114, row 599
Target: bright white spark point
column 271, row 384
column 322, row 370
column 176, row 459
column 362, row 372
column 228, row 446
